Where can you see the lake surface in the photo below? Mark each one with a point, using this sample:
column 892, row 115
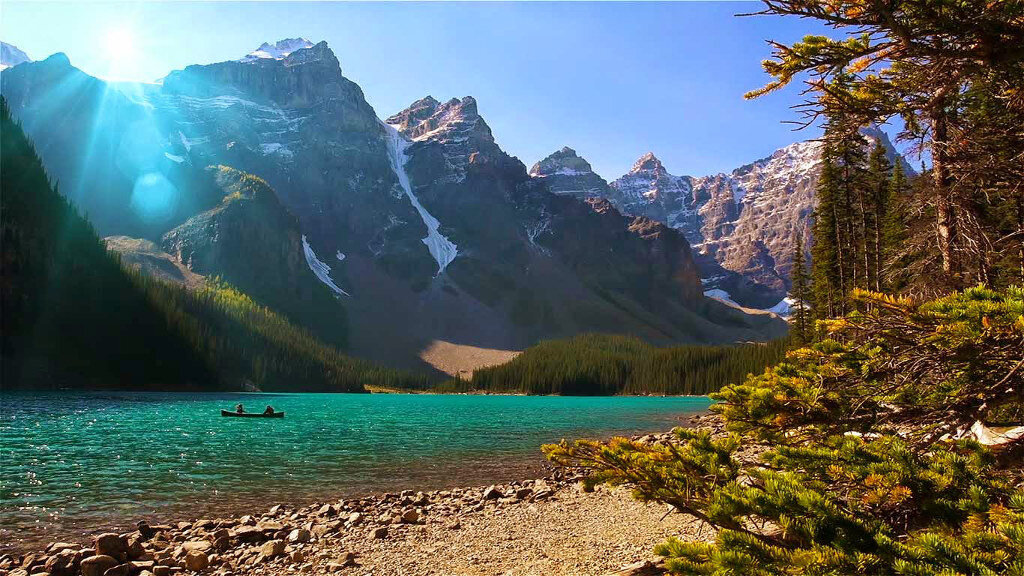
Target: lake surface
column 74, row 463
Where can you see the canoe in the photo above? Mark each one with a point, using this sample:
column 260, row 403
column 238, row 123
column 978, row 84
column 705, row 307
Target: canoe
column 251, row 414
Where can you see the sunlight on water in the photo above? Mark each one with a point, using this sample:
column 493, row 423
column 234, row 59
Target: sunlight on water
column 75, row 462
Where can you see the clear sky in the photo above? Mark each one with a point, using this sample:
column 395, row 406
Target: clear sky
column 612, row 80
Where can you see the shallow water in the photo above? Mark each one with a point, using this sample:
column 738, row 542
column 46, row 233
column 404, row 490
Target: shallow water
column 72, row 463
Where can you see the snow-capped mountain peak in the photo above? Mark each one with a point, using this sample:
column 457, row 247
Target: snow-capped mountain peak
column 277, row 51
column 567, row 174
column 10, row 56
column 647, row 163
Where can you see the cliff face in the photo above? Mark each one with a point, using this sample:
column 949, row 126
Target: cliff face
column 566, row 174
column 420, row 226
column 250, row 240
column 742, row 225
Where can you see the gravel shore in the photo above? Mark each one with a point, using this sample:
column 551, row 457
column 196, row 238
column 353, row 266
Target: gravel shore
column 547, row 526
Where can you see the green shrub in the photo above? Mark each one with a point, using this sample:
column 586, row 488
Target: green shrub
column 866, row 465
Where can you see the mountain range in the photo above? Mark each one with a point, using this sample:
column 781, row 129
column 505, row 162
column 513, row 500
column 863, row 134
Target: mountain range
column 383, row 235
column 11, row 56
column 742, row 225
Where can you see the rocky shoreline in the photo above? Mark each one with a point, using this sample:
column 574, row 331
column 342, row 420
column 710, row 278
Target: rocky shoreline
column 474, row 530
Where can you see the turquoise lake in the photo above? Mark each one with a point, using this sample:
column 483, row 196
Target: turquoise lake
column 73, row 463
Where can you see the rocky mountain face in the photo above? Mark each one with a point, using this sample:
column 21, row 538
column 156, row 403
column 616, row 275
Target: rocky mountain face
column 251, row 241
column 566, row 174
column 10, row 56
column 420, row 226
column 742, row 225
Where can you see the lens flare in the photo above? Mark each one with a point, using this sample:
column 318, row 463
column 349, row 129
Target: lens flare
column 121, row 52
column 154, row 197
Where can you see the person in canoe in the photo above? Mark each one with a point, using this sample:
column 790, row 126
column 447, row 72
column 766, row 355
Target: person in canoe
column 269, row 410
column 239, row 409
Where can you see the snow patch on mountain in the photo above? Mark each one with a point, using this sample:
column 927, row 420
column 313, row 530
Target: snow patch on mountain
column 322, row 271
column 784, row 307
column 11, row 55
column 441, row 248
column 277, row 51
column 722, row 296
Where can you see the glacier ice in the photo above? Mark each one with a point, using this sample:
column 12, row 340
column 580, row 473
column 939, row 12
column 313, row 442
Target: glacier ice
column 321, row 270
column 441, row 248
column 722, row 296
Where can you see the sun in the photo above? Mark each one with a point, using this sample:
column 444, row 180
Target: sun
column 119, row 43
column 118, row 49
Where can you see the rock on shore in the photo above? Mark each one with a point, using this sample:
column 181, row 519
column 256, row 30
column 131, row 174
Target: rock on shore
column 531, row 527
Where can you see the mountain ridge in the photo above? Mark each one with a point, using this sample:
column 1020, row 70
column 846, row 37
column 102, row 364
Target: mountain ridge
column 741, row 224
column 430, row 229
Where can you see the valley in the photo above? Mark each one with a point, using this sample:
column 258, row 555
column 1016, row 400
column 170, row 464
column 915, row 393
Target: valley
column 271, row 307
column 379, row 236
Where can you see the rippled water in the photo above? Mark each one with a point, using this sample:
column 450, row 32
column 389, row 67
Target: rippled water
column 73, row 463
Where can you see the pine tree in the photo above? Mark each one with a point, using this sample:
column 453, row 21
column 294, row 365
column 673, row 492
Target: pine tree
column 916, row 59
column 799, row 282
column 827, row 287
column 894, row 224
column 847, row 148
column 879, row 170
column 859, row 465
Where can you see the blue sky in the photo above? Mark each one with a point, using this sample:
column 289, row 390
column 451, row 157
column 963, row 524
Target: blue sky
column 612, row 80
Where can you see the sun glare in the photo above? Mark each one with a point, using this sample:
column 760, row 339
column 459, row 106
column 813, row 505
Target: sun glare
column 119, row 47
column 119, row 43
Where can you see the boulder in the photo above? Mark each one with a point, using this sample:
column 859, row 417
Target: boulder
column 197, row 546
column 161, row 570
column 58, row 547
column 197, row 560
column 410, row 516
column 222, row 544
column 298, row 536
column 271, row 526
column 31, row 560
column 248, row 534
column 61, row 564
column 492, row 493
column 113, row 545
column 135, row 548
column 141, row 566
column 326, row 528
column 119, row 570
column 272, row 548
column 523, row 493
column 380, row 532
column 355, row 518
column 97, row 565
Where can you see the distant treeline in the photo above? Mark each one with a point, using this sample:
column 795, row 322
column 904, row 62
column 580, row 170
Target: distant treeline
column 73, row 317
column 601, row 365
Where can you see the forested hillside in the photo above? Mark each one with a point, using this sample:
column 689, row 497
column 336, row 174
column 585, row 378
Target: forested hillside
column 596, row 364
column 73, row 317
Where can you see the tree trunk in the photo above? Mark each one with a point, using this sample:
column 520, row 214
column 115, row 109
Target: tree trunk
column 944, row 225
